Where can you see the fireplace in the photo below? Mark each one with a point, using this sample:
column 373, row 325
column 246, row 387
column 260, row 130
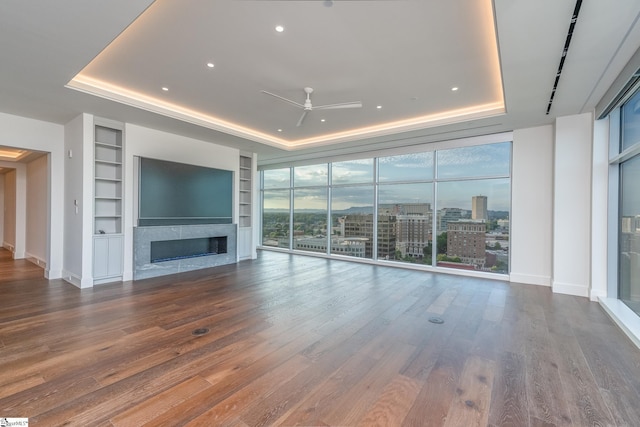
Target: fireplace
column 169, row 250
column 163, row 250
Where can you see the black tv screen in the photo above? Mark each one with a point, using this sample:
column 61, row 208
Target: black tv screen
column 172, row 193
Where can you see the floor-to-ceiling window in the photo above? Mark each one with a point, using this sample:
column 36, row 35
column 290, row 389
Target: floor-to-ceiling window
column 276, row 207
column 310, row 208
column 352, row 195
column 405, row 208
column 473, row 199
column 629, row 205
column 444, row 207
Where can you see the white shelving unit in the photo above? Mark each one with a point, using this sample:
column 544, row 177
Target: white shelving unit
column 246, row 249
column 107, row 203
column 245, row 191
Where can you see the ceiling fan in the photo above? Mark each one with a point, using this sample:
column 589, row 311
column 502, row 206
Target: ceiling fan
column 307, row 106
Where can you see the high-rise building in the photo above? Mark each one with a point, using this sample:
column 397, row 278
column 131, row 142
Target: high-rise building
column 466, row 240
column 446, row 215
column 361, row 225
column 479, row 208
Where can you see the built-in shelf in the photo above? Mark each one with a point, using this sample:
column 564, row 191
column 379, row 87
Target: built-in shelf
column 245, row 191
column 107, row 180
column 107, row 202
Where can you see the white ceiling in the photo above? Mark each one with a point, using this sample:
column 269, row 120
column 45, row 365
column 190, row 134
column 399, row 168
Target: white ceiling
column 403, row 55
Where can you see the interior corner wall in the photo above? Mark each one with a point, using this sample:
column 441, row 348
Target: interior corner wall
column 78, row 207
column 9, row 241
column 36, row 219
column 599, row 210
column 30, row 134
column 1, row 209
column 531, row 206
column 145, row 142
column 572, row 205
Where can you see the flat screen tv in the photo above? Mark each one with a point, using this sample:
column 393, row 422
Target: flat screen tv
column 172, row 193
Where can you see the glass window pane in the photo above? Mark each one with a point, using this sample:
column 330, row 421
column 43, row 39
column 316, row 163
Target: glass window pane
column 275, row 218
column 407, row 167
column 352, row 172
column 473, row 225
column 405, row 222
column 631, row 122
column 629, row 240
column 310, row 219
column 306, row 176
column 277, row 178
column 467, row 162
column 352, row 221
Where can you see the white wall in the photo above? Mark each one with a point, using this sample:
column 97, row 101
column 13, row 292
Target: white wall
column 572, row 205
column 1, row 209
column 145, row 142
column 9, row 241
column 78, row 209
column 15, row 208
column 21, row 132
column 599, row 210
column 37, row 212
column 531, row 206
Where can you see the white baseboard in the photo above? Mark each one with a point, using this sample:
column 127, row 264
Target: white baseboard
column 570, row 289
column 76, row 280
column 624, row 317
column 36, row 260
column 597, row 294
column 530, row 279
column 52, row 274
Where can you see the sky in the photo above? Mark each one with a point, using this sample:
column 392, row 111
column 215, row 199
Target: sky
column 461, row 174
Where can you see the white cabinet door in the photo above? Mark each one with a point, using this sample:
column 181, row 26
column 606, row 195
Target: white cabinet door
column 107, row 256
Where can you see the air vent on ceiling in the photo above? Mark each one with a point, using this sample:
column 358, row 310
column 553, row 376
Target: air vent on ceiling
column 565, row 50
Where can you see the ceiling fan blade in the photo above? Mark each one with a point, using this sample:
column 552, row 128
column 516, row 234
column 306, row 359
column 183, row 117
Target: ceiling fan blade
column 283, row 99
column 304, row 114
column 356, row 104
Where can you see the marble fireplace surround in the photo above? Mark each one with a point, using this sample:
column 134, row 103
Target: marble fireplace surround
column 143, row 268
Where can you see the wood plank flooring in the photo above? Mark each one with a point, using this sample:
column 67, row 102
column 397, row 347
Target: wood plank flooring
column 297, row 340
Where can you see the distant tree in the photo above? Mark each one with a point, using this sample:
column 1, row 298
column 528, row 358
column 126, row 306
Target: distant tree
column 441, row 243
column 427, row 250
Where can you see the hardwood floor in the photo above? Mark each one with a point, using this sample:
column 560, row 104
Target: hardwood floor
column 296, row 340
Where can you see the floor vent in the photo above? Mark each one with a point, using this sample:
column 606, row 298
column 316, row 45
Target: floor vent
column 436, row 320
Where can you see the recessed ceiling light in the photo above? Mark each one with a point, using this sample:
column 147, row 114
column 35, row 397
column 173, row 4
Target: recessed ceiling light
column 279, row 130
column 210, row 64
column 379, row 107
column 455, row 88
column 322, row 120
column 165, row 89
column 279, row 28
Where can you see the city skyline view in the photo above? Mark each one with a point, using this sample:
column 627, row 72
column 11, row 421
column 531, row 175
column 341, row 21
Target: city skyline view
column 446, row 208
column 461, row 174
